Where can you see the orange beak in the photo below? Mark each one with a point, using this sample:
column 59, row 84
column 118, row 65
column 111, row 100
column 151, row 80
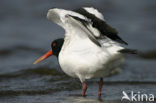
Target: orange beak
column 49, row 53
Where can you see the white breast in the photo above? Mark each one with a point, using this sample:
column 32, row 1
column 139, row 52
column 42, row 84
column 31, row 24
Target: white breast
column 83, row 59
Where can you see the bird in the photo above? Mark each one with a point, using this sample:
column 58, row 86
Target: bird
column 91, row 48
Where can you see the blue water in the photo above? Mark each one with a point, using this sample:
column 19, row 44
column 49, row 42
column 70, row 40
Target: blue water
column 26, row 34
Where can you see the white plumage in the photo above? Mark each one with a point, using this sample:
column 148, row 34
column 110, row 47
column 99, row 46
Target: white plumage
column 80, row 55
column 90, row 48
column 94, row 12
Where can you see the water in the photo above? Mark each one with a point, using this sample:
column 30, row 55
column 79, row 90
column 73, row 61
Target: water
column 26, row 34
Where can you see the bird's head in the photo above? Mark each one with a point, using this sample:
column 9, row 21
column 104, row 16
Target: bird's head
column 56, row 46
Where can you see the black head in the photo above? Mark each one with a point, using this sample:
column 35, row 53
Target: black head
column 56, row 46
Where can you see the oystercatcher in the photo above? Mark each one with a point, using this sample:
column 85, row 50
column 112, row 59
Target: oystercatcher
column 90, row 49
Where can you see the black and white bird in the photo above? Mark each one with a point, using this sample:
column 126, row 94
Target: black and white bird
column 90, row 49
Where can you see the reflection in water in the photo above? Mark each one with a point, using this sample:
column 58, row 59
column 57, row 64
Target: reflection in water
column 88, row 100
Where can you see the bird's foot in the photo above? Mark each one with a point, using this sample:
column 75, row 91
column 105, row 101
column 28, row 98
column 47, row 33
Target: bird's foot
column 83, row 95
column 99, row 94
column 84, row 89
column 100, row 87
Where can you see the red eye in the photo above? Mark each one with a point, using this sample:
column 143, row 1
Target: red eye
column 54, row 44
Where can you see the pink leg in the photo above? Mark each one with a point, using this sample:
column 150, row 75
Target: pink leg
column 84, row 88
column 100, row 87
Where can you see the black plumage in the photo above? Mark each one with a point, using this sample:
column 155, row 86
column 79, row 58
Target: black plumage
column 102, row 26
column 56, row 46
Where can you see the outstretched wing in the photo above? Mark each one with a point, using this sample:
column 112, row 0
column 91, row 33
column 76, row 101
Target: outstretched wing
column 83, row 25
column 73, row 23
column 99, row 24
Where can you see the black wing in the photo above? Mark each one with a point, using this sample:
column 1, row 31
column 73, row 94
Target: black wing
column 102, row 26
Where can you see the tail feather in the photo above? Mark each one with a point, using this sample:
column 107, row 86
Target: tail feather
column 128, row 51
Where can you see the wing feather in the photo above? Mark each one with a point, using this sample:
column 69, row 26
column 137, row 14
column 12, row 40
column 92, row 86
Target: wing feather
column 83, row 23
column 100, row 25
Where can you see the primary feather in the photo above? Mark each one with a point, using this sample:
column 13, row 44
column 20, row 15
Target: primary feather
column 98, row 23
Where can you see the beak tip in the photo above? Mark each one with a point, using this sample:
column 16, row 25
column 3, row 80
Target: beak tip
column 36, row 62
column 49, row 53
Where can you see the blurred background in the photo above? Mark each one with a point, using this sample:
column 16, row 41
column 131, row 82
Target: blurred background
column 26, row 34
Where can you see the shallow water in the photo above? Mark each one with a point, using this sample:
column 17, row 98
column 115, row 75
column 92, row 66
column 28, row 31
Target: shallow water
column 26, row 34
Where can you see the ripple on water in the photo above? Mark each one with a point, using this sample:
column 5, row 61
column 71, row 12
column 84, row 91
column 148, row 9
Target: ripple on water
column 42, row 80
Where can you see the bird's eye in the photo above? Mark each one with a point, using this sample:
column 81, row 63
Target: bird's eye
column 54, row 44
